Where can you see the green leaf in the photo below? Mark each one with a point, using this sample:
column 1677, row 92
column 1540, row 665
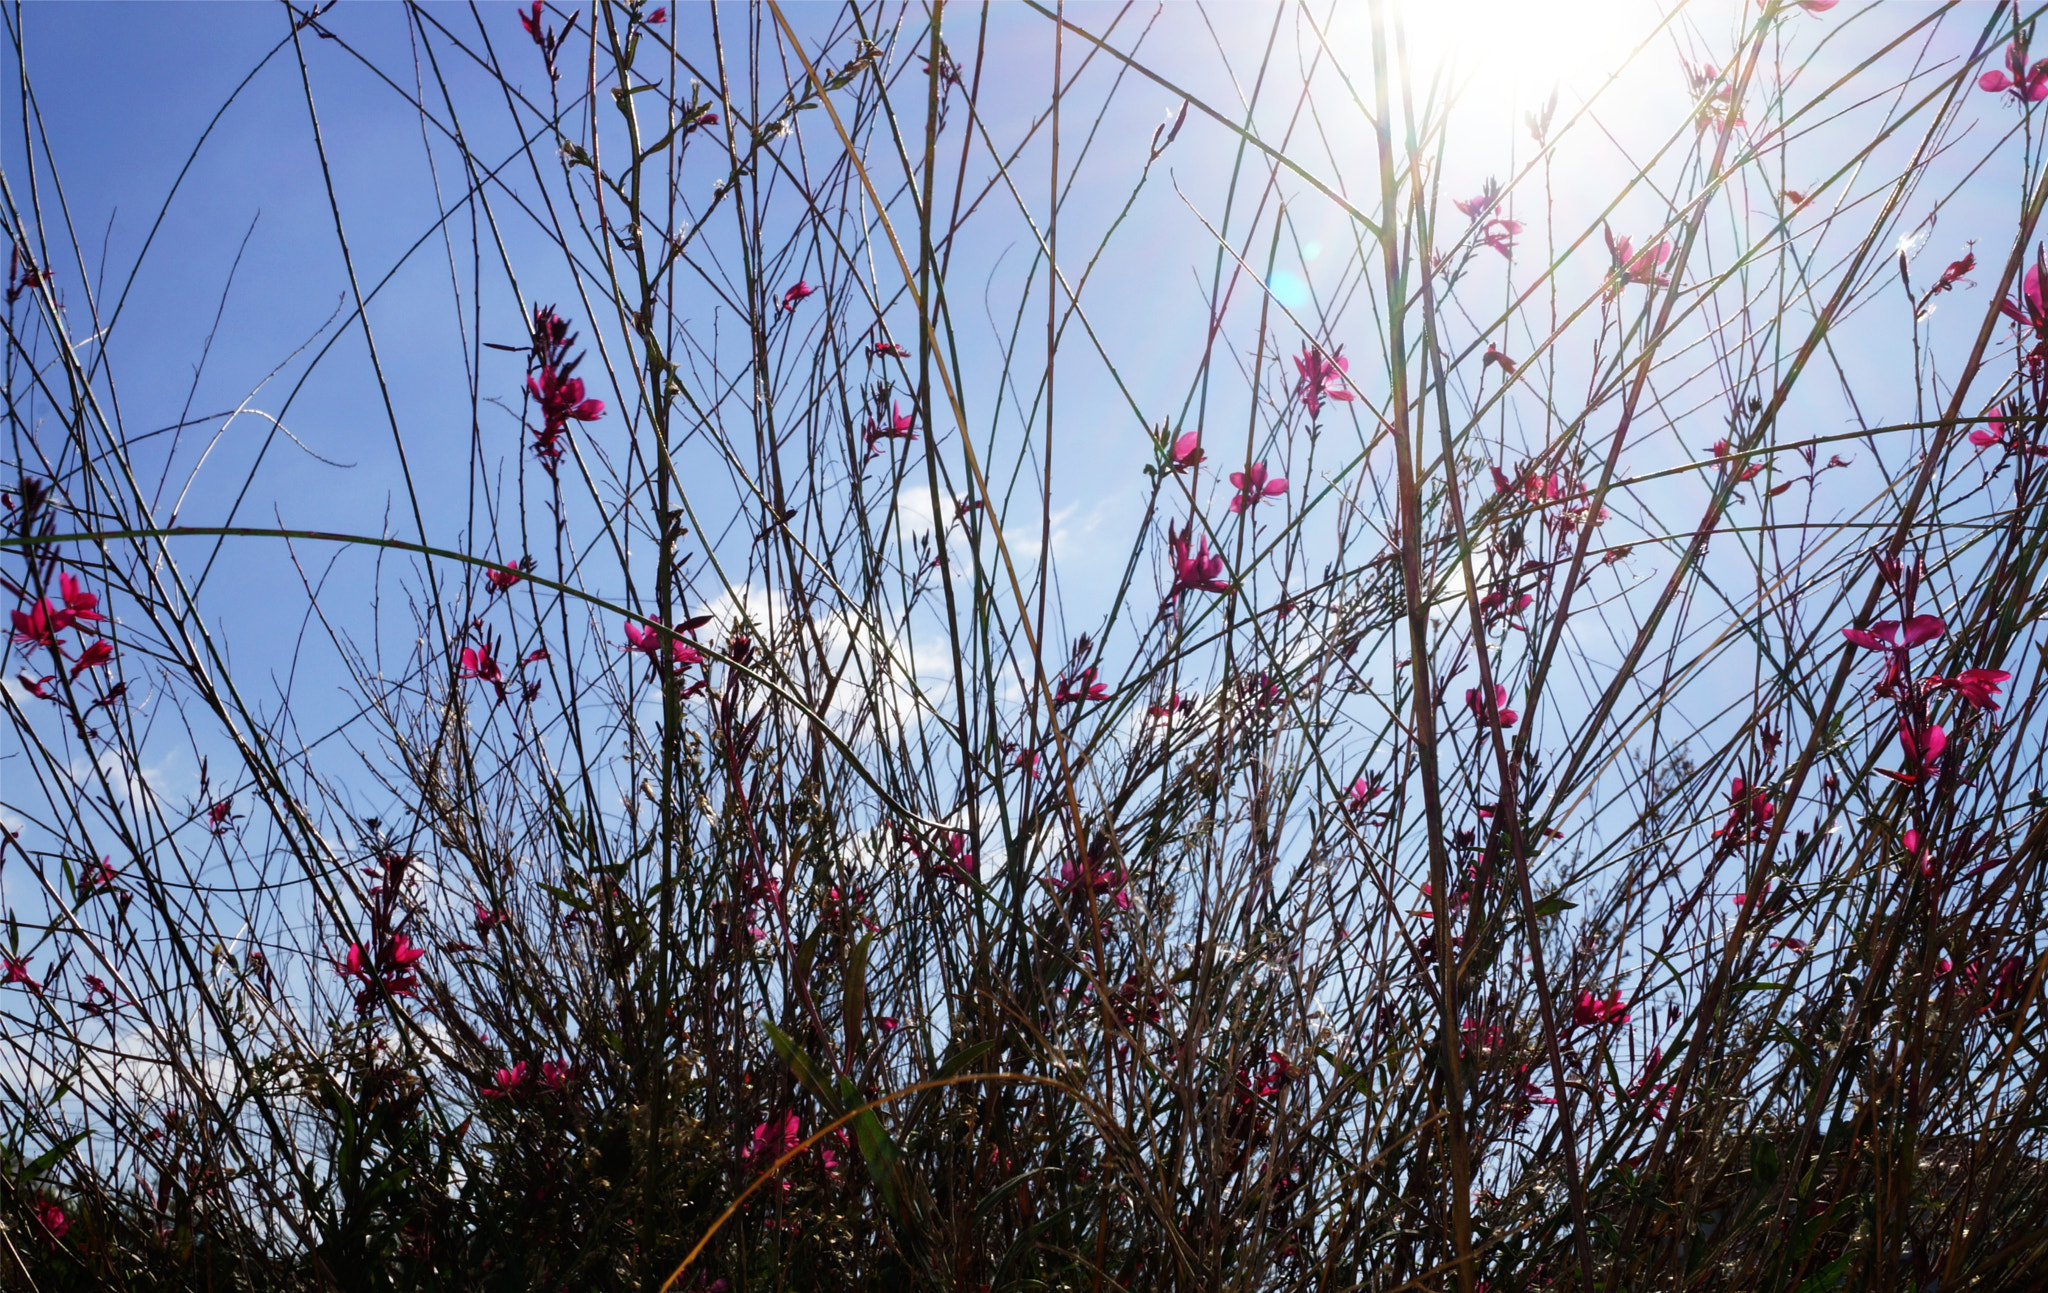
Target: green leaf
column 52, row 1156
column 1552, row 905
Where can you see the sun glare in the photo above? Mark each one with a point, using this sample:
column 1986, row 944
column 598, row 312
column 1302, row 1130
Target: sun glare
column 1506, row 56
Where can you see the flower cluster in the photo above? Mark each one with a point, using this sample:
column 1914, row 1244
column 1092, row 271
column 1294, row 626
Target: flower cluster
column 556, row 388
column 1494, row 231
column 1322, row 377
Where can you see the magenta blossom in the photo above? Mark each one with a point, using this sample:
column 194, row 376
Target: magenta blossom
column 1251, row 485
column 1590, row 1010
column 84, row 606
column 1880, row 636
column 1322, row 378
column 1632, row 266
column 14, row 969
column 1750, row 813
column 648, row 642
column 53, row 1219
column 1979, row 687
column 40, row 625
column 488, row 919
column 555, row 1075
column 2026, row 84
column 1081, row 689
column 1186, row 454
column 899, row 428
column 1922, row 747
column 1198, row 570
column 1490, row 713
column 795, row 294
column 94, row 656
column 1092, row 876
column 510, row 1081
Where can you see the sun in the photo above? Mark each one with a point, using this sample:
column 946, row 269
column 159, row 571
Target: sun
column 1506, row 57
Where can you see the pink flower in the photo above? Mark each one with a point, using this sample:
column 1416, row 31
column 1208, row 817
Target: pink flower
column 509, row 1082
column 899, row 428
column 1922, row 748
column 219, row 816
column 1492, row 713
column 1322, row 378
column 890, row 348
column 1979, row 687
column 1493, row 356
column 1363, row 791
column 1186, row 454
column 84, row 606
column 1027, row 760
column 1196, row 571
column 40, row 626
column 1092, row 875
column 2027, row 85
column 660, row 16
column 531, row 21
column 1993, row 429
column 52, row 1218
column 488, row 919
column 38, row 687
column 93, row 657
column 795, row 294
column 501, row 578
column 14, row 969
column 561, row 399
column 1750, row 815
column 1175, row 704
column 2029, row 310
column 481, row 663
column 1879, row 637
column 1500, row 235
column 1083, row 688
column 1252, row 485
column 774, row 1138
column 1590, row 1010
column 959, row 864
column 1632, row 266
column 555, row 1075
column 647, row 641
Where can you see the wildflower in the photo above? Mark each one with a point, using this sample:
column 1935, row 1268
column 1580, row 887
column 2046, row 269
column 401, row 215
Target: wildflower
column 1956, row 272
column 1322, row 378
column 1083, row 688
column 555, row 1075
column 220, row 815
column 502, row 578
column 83, row 606
column 795, row 294
column 1632, row 266
column 1750, row 815
column 899, row 428
column 647, row 641
column 889, row 348
column 1979, row 687
column 1590, row 1010
column 480, row 663
column 959, row 864
column 1186, row 454
column 510, row 1080
column 1879, row 637
column 1922, row 747
column 98, row 876
column 1490, row 713
column 94, row 656
column 99, row 998
column 52, row 1218
column 1027, row 760
column 40, row 627
column 1993, row 430
column 488, row 919
column 391, row 971
column 2027, row 85
column 1095, row 875
column 1197, row 571
column 1175, row 704
column 1493, row 356
column 14, row 969
column 2030, row 311
column 562, row 401
column 38, row 687
column 1252, row 486
column 1363, row 791
column 531, row 21
column 774, row 1138
column 658, row 17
